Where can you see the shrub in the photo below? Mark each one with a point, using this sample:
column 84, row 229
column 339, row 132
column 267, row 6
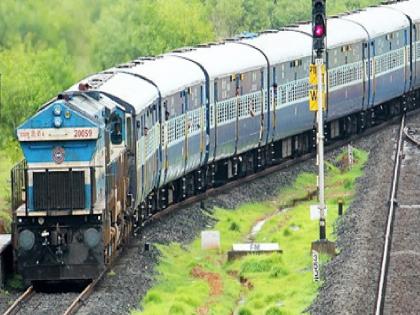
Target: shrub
column 234, row 227
column 273, row 311
column 153, row 297
column 176, row 309
column 287, row 232
column 277, row 272
column 244, row 311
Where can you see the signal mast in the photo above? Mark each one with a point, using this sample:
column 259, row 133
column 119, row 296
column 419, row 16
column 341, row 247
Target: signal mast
column 318, row 80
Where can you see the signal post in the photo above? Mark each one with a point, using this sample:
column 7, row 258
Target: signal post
column 317, row 102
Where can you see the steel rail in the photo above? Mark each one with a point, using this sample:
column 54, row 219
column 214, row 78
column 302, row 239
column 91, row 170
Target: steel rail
column 84, row 295
column 16, row 306
column 380, row 298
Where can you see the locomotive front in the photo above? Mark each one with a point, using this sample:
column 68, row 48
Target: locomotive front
column 58, row 229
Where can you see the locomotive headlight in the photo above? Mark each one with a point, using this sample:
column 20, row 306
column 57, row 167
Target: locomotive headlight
column 91, row 237
column 57, row 110
column 26, row 240
column 58, row 122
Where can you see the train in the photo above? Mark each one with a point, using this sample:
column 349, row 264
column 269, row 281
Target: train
column 117, row 147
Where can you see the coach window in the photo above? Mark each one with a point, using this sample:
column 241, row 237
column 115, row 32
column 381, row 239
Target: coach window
column 227, row 87
column 251, row 81
column 174, row 104
column 165, row 108
column 129, row 133
column 116, row 129
column 194, row 96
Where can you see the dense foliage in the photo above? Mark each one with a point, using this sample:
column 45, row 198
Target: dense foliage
column 47, row 45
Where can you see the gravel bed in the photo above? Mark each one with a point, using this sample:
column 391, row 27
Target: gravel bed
column 7, row 298
column 134, row 273
column 48, row 303
column 403, row 281
column 351, row 278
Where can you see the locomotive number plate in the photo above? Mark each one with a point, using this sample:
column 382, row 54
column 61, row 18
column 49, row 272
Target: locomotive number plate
column 49, row 134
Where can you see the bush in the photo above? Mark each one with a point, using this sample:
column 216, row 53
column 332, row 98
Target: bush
column 177, row 309
column 152, row 297
column 234, row 227
column 245, row 311
column 273, row 311
column 261, row 264
column 287, row 232
column 277, row 272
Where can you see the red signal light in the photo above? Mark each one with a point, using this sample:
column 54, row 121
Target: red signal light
column 319, row 30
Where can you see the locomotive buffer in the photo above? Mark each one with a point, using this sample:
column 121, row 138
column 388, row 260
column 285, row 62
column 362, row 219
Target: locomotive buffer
column 319, row 32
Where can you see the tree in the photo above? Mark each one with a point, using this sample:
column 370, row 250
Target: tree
column 29, row 79
column 128, row 29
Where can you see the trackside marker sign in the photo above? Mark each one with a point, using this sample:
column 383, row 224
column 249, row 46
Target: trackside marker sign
column 315, row 265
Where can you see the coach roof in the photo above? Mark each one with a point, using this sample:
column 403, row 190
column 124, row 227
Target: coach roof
column 379, row 20
column 225, row 58
column 410, row 8
column 340, row 32
column 277, row 45
column 169, row 73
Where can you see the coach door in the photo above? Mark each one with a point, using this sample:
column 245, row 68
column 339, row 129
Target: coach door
column 195, row 127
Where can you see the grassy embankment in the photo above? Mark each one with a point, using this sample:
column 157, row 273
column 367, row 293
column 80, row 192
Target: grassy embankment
column 5, row 166
column 193, row 281
column 10, row 154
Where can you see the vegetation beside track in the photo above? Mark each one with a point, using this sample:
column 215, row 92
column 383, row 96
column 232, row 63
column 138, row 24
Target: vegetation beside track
column 193, row 281
column 5, row 166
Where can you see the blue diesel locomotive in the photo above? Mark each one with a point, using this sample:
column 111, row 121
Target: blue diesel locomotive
column 125, row 143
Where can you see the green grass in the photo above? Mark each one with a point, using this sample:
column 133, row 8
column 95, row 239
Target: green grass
column 5, row 166
column 266, row 284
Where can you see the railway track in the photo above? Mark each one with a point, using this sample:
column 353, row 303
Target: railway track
column 32, row 302
column 399, row 280
column 74, row 301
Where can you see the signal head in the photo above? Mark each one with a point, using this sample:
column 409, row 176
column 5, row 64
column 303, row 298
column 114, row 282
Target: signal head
column 319, row 31
column 319, row 25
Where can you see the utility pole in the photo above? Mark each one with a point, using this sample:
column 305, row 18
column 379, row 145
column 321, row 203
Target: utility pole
column 317, row 103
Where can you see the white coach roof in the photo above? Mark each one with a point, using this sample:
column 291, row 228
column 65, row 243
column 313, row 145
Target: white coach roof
column 132, row 90
column 379, row 20
column 340, row 32
column 136, row 92
column 411, row 8
column 283, row 45
column 171, row 74
column 224, row 59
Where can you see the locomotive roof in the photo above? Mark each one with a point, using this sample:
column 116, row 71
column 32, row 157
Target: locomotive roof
column 410, row 8
column 277, row 45
column 225, row 58
column 379, row 20
column 340, row 32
